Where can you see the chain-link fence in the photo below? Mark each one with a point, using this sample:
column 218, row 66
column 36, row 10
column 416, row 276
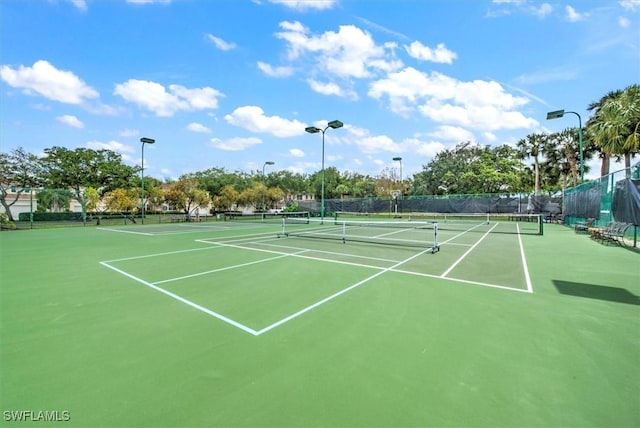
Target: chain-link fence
column 594, row 199
column 549, row 205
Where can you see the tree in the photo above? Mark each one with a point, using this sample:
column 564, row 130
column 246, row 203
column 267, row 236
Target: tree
column 291, row 183
column 54, row 200
column 187, row 196
column 253, row 196
column 386, row 182
column 153, row 193
column 615, row 125
column 342, row 189
column 470, row 169
column 596, row 127
column 274, row 196
column 20, row 171
column 532, row 147
column 94, row 202
column 227, row 198
column 331, row 181
column 82, row 168
column 123, row 201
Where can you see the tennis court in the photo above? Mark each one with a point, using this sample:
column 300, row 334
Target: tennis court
column 333, row 323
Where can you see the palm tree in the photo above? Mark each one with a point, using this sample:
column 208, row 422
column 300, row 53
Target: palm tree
column 557, row 165
column 532, row 146
column 615, row 125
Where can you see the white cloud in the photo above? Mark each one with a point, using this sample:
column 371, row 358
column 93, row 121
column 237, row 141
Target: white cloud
column 235, row 144
column 483, row 117
column 330, row 88
column 489, row 137
column 198, row 127
column 71, row 121
column 378, row 143
column 46, row 80
column 221, row 44
column 424, row 53
column 271, row 71
column 296, row 153
column 303, row 5
column 548, row 75
column 383, row 29
column 478, row 104
column 450, row 133
column 114, row 146
column 573, row 15
column 544, row 10
column 427, row 149
column 129, row 133
column 368, row 143
column 155, row 97
column 624, row 22
column 80, row 4
column 346, row 53
column 254, row 119
column 541, row 11
column 631, row 5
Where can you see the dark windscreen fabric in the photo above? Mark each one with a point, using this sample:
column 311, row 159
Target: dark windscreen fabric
column 626, row 201
column 585, row 203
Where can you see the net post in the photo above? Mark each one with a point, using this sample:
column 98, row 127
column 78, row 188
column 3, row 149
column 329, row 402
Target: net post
column 436, row 245
column 344, row 232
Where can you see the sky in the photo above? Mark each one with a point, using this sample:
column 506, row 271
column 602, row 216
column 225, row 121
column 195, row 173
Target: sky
column 234, row 83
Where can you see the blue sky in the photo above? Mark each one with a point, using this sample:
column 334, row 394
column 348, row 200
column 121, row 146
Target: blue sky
column 233, row 83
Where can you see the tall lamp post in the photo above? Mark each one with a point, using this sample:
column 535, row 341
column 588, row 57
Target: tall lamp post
column 399, row 159
column 335, row 124
column 264, row 208
column 560, row 113
column 144, row 141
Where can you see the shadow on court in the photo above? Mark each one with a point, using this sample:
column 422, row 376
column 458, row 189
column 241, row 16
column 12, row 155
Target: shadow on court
column 599, row 292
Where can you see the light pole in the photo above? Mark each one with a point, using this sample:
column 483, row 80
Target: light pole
column 559, row 113
column 144, row 141
column 399, row 159
column 335, row 124
column 264, row 208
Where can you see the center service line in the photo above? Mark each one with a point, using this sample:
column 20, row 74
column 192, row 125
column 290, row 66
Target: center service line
column 339, row 293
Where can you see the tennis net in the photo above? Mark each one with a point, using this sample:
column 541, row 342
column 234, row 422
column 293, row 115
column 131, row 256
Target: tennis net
column 299, row 216
column 526, row 224
column 422, row 234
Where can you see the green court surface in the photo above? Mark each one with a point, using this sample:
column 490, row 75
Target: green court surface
column 234, row 324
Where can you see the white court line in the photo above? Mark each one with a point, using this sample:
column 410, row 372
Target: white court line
column 333, row 253
column 524, row 262
column 339, row 293
column 464, row 281
column 238, row 238
column 227, row 268
column 211, row 247
column 125, row 231
column 185, row 301
column 216, row 245
column 468, row 251
column 298, row 255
